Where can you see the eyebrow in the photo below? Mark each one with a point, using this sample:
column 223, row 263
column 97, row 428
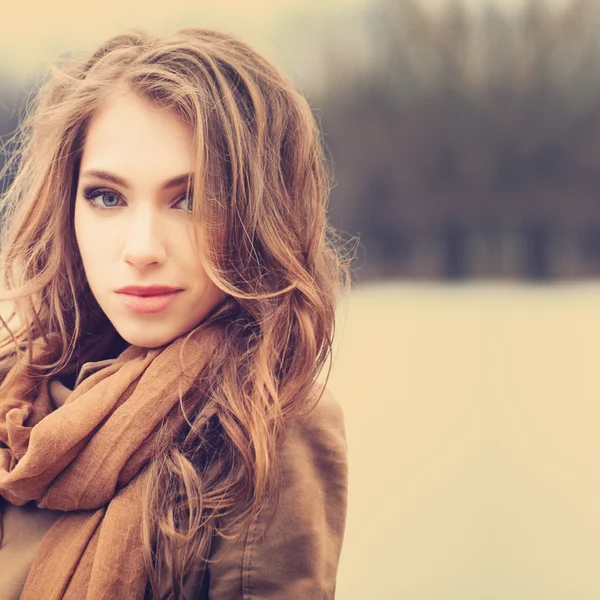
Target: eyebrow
column 106, row 176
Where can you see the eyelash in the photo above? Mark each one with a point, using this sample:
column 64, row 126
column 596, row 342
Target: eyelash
column 91, row 193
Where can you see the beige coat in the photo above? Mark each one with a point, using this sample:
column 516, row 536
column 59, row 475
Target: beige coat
column 291, row 552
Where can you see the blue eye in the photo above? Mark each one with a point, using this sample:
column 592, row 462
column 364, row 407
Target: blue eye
column 109, row 195
column 110, row 199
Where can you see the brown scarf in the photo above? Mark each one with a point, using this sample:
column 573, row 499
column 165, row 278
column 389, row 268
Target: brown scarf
column 87, row 458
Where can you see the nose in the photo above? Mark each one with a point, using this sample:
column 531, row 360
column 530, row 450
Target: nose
column 144, row 240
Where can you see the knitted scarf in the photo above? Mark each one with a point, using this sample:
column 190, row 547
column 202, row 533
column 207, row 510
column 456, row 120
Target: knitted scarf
column 88, row 458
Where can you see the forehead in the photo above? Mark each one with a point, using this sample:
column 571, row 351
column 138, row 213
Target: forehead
column 131, row 135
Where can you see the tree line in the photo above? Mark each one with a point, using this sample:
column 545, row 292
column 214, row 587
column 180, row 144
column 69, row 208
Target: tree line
column 470, row 146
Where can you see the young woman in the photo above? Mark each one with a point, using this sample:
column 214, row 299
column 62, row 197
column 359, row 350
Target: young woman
column 172, row 282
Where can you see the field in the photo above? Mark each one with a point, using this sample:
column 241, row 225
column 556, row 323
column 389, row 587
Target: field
column 474, row 434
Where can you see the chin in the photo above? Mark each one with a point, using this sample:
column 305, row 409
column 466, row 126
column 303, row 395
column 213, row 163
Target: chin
column 145, row 338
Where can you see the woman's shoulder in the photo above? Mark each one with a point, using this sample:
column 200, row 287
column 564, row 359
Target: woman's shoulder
column 292, row 549
column 328, row 409
column 315, row 442
column 325, row 418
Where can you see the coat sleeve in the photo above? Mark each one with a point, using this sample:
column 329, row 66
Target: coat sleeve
column 292, row 550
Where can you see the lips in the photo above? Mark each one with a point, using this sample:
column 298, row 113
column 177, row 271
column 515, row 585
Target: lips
column 148, row 300
column 148, row 290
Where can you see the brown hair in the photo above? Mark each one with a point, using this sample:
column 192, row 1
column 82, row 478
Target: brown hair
column 260, row 205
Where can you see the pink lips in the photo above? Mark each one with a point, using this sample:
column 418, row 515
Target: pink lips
column 147, row 299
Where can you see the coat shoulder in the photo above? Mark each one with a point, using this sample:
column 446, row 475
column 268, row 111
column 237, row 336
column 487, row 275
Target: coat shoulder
column 327, row 411
column 292, row 549
column 321, row 433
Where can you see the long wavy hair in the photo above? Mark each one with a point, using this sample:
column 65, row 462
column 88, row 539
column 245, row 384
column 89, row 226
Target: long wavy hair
column 260, row 207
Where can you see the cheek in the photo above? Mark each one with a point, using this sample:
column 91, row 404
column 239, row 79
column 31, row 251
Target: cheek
column 83, row 235
column 79, row 226
column 196, row 273
column 90, row 240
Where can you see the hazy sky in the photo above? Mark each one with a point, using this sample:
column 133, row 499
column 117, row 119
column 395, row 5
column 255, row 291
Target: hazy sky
column 479, row 4
column 33, row 34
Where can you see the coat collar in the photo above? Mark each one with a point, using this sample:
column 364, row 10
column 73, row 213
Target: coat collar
column 59, row 392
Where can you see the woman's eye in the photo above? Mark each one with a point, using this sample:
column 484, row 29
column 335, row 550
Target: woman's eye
column 107, row 198
column 185, row 202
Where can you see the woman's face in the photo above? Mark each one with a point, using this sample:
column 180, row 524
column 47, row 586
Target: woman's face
column 133, row 225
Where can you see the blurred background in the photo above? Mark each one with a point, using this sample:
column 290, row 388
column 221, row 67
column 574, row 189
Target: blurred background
column 465, row 142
